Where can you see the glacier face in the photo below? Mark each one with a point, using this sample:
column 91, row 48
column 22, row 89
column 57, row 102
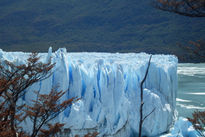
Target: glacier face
column 109, row 87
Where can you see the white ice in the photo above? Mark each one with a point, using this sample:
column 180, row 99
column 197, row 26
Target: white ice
column 183, row 128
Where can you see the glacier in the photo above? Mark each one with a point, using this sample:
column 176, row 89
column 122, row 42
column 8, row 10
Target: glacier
column 108, row 85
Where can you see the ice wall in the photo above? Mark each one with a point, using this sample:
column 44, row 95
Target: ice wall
column 109, row 87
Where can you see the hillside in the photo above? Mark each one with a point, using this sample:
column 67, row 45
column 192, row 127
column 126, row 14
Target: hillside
column 94, row 25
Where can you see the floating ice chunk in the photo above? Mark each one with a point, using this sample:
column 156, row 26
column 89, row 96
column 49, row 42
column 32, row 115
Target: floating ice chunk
column 182, row 100
column 190, row 106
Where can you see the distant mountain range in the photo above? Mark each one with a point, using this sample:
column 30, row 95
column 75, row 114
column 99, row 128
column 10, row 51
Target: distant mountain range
column 95, row 25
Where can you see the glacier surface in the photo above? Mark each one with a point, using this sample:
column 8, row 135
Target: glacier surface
column 109, row 87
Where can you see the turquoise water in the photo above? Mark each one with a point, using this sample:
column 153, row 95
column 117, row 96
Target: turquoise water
column 191, row 88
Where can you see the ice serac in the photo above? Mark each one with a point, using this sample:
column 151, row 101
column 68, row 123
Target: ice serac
column 109, row 87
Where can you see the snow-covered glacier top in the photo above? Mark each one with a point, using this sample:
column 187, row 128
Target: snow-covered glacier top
column 109, row 87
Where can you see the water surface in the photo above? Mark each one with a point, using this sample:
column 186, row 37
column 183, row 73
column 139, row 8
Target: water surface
column 191, row 88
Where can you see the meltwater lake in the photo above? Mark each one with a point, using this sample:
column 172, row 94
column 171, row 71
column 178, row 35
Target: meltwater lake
column 191, row 88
